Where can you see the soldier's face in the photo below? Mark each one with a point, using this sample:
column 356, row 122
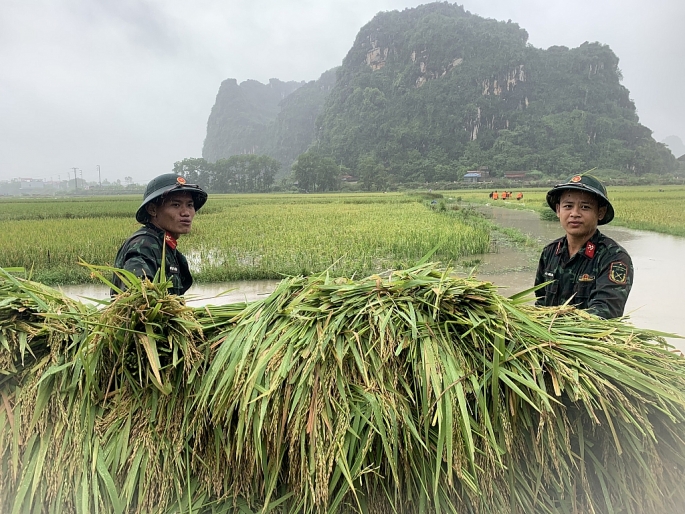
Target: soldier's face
column 175, row 214
column 579, row 213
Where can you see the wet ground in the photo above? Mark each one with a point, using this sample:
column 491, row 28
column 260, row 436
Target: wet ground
column 657, row 299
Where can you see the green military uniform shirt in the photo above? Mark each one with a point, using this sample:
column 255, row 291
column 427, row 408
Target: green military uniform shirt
column 141, row 254
column 598, row 278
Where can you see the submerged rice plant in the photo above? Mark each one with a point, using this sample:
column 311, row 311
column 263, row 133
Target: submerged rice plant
column 411, row 391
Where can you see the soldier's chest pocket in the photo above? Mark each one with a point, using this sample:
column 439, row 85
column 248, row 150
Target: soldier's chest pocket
column 551, row 291
column 584, row 287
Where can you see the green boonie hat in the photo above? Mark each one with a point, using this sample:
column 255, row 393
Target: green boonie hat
column 586, row 183
column 168, row 183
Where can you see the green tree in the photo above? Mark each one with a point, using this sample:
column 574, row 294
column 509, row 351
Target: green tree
column 196, row 171
column 316, row 173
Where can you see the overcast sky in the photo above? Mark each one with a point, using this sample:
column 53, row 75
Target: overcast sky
column 128, row 84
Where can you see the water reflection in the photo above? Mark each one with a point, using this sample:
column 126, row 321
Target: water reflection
column 657, row 300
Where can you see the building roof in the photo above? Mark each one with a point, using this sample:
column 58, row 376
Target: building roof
column 472, row 174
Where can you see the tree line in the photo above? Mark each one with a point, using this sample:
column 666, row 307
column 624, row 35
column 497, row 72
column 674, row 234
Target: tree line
column 236, row 174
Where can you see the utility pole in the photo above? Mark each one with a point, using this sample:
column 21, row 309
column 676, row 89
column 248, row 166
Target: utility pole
column 99, row 177
column 75, row 184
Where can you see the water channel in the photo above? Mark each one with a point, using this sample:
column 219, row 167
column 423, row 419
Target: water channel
column 657, row 299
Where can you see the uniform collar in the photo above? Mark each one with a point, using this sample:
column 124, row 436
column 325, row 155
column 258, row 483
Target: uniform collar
column 588, row 249
column 170, row 240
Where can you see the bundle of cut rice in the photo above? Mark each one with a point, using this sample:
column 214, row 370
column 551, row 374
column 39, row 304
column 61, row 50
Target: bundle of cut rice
column 415, row 391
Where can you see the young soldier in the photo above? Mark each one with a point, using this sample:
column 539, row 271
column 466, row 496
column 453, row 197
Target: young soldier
column 586, row 267
column 168, row 208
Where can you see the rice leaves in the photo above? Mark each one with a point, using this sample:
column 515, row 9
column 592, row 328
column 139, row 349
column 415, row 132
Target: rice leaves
column 415, row 391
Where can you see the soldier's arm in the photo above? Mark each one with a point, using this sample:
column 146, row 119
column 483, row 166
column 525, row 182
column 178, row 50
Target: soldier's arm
column 612, row 286
column 143, row 258
column 539, row 279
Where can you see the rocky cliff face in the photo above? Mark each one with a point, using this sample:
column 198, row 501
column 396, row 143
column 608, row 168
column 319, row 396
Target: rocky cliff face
column 430, row 92
column 241, row 115
column 275, row 119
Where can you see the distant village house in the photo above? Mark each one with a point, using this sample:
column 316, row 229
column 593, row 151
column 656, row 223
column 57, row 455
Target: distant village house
column 478, row 175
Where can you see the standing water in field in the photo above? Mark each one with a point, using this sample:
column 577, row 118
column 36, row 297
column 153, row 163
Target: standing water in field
column 657, row 299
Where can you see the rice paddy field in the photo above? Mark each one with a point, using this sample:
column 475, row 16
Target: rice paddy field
column 246, row 236
column 656, row 208
column 404, row 391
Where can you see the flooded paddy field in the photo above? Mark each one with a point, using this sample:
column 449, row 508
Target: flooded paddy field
column 657, row 299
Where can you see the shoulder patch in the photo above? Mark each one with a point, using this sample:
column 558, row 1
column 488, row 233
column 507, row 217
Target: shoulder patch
column 618, row 272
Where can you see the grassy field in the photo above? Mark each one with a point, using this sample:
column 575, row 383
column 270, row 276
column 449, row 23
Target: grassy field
column 656, row 208
column 246, row 236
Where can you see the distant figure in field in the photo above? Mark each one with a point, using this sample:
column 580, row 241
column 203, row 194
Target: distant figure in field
column 168, row 208
column 587, row 269
column 490, row 195
column 494, row 195
column 519, row 196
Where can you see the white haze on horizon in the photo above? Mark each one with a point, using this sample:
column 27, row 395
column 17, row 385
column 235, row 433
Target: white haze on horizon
column 129, row 85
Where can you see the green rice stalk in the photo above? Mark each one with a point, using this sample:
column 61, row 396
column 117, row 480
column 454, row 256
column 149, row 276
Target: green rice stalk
column 412, row 391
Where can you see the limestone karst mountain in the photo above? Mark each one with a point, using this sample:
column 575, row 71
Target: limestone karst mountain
column 428, row 93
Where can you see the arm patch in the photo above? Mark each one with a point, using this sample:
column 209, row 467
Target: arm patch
column 618, row 272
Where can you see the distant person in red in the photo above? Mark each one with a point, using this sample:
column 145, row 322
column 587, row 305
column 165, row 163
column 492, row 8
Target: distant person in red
column 495, row 196
column 519, row 196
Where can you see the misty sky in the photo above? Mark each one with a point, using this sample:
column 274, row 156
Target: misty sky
column 128, row 85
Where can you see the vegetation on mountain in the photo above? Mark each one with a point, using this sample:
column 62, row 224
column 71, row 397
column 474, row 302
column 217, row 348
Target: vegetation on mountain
column 428, row 93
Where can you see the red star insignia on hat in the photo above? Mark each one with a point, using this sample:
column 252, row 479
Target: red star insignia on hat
column 180, row 180
column 577, row 178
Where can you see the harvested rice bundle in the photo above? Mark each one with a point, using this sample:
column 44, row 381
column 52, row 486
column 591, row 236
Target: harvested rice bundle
column 112, row 425
column 38, row 325
column 416, row 391
column 141, row 363
column 32, row 317
column 425, row 391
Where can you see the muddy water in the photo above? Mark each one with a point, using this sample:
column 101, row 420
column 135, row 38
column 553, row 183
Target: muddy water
column 657, row 299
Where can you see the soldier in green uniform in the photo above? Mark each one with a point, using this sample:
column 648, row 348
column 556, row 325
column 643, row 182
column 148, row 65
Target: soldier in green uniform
column 587, row 269
column 168, row 208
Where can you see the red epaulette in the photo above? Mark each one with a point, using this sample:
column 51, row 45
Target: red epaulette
column 590, row 249
column 171, row 241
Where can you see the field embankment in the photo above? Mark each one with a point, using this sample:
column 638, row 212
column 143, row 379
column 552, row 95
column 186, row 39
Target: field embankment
column 656, row 208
